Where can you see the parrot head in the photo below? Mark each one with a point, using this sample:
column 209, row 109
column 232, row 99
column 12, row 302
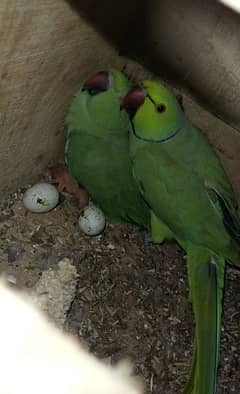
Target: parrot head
column 97, row 83
column 154, row 111
column 102, row 93
column 103, row 81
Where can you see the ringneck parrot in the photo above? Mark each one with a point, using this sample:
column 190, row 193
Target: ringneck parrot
column 97, row 148
column 187, row 190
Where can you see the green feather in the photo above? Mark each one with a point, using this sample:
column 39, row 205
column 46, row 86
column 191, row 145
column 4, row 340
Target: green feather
column 97, row 152
column 185, row 185
column 206, row 279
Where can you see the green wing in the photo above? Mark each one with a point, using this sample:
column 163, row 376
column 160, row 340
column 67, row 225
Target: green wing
column 200, row 157
column 179, row 194
column 208, row 166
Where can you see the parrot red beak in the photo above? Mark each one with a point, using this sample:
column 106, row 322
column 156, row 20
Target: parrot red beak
column 134, row 99
column 98, row 82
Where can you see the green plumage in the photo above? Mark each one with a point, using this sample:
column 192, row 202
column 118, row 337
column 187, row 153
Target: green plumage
column 186, row 187
column 97, row 151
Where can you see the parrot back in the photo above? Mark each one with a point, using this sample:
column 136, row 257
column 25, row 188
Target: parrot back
column 182, row 190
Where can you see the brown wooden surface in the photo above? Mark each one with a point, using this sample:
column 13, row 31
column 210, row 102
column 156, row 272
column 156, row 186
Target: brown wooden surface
column 46, row 50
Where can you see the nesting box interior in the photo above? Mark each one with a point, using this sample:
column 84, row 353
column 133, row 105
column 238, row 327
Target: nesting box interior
column 131, row 297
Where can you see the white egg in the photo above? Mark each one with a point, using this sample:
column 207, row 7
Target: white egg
column 92, row 220
column 41, row 197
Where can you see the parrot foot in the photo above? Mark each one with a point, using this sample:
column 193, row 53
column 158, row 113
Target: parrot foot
column 159, row 231
column 63, row 181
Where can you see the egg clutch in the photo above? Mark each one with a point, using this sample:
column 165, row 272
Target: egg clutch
column 44, row 197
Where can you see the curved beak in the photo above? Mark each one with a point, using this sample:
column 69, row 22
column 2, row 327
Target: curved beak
column 97, row 82
column 134, row 98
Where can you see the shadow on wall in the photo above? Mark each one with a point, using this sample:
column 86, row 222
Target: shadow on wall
column 191, row 43
column 121, row 22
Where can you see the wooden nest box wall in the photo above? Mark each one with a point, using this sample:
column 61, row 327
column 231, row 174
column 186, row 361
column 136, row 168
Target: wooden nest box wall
column 49, row 47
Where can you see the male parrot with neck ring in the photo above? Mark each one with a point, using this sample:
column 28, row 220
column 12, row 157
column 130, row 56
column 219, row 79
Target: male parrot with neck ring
column 186, row 188
column 97, row 148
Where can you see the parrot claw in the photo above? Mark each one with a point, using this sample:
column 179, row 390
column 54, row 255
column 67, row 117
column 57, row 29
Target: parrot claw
column 63, row 181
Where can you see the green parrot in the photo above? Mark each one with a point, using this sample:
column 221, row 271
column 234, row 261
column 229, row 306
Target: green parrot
column 191, row 201
column 97, row 148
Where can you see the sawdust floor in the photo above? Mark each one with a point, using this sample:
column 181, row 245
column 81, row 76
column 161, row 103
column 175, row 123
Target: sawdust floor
column 131, row 298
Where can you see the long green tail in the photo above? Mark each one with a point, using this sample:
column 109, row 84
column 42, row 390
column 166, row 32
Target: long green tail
column 206, row 280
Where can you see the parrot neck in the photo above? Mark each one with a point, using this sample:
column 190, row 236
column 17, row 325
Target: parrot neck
column 160, row 135
column 98, row 116
column 143, row 136
column 104, row 114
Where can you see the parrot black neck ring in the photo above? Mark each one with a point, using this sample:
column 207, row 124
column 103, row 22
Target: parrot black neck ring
column 158, row 140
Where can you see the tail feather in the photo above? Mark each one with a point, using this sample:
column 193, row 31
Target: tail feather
column 189, row 387
column 206, row 277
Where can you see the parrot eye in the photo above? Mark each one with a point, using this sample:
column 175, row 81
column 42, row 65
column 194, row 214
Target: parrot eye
column 94, row 92
column 160, row 108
